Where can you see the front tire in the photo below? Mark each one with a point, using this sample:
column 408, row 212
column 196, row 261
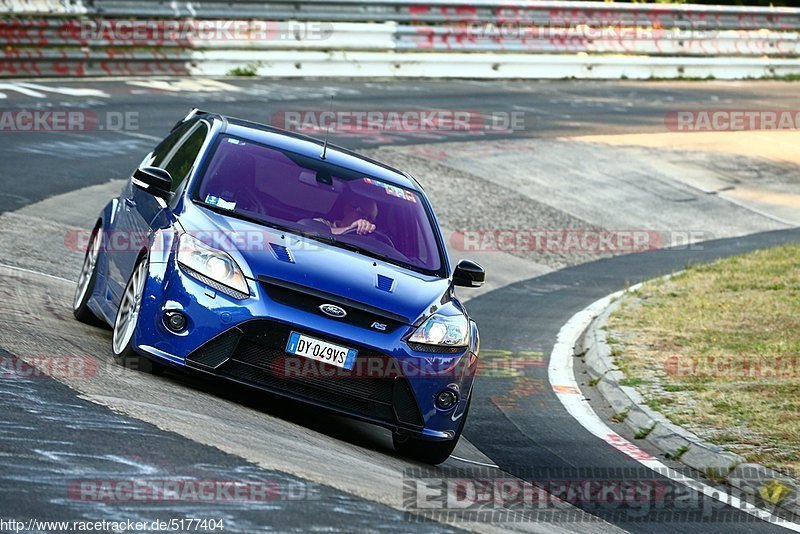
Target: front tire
column 426, row 451
column 126, row 321
column 86, row 281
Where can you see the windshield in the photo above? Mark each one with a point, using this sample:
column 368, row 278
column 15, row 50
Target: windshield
column 326, row 202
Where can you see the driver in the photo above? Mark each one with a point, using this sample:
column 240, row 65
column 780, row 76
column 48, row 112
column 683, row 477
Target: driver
column 359, row 214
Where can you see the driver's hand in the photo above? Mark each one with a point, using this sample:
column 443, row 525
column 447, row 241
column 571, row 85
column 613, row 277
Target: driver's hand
column 362, row 226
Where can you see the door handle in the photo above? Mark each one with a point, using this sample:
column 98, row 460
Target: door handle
column 129, row 202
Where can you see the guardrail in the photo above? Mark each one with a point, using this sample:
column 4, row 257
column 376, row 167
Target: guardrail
column 29, row 7
column 533, row 12
column 47, row 62
column 398, row 38
column 646, row 41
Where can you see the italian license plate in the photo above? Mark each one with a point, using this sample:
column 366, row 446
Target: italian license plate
column 321, row 351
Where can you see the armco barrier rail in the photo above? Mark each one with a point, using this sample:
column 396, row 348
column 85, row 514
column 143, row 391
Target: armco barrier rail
column 55, row 7
column 540, row 12
column 396, row 38
column 645, row 41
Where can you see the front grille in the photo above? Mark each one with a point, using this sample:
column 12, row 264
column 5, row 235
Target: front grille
column 254, row 353
column 218, row 350
column 309, row 300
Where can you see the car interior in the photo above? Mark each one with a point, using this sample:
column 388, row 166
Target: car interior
column 294, row 192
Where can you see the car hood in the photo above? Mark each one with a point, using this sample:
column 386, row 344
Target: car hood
column 266, row 252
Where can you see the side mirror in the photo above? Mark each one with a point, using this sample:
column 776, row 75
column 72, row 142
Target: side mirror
column 469, row 274
column 154, row 180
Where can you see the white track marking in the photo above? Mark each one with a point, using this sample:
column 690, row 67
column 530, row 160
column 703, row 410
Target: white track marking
column 38, row 273
column 188, row 85
column 562, row 378
column 36, row 90
column 140, row 135
column 474, row 462
column 24, row 90
column 70, row 91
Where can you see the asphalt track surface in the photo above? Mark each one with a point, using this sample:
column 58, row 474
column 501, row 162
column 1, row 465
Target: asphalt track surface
column 542, row 443
column 546, row 443
column 42, row 416
column 59, row 162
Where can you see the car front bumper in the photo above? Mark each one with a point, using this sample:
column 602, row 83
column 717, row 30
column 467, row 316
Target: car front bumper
column 244, row 341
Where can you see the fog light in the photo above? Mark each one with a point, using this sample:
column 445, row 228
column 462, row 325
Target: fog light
column 175, row 321
column 446, row 399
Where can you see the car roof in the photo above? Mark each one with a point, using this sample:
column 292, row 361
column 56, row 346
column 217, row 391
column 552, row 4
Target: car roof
column 312, row 147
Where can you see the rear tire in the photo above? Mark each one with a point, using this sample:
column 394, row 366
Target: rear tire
column 126, row 322
column 427, row 451
column 86, row 282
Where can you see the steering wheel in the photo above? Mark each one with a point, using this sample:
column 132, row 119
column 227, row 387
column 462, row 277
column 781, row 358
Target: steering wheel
column 376, row 234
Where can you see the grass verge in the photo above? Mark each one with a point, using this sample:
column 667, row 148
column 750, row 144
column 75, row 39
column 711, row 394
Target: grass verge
column 717, row 350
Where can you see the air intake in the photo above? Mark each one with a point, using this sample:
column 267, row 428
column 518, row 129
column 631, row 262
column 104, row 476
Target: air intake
column 384, row 283
column 282, row 253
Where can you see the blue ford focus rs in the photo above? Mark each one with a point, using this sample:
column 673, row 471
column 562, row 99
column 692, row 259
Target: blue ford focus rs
column 280, row 262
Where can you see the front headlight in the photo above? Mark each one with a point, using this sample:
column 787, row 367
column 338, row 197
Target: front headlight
column 206, row 263
column 444, row 330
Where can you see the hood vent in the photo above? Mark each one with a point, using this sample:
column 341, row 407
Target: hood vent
column 282, row 253
column 384, row 283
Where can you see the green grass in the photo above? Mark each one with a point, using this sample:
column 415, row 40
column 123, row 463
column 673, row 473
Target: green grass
column 632, row 382
column 725, row 339
column 671, row 388
column 680, row 451
column 791, row 77
column 620, row 417
column 715, row 475
column 247, row 70
column 681, row 78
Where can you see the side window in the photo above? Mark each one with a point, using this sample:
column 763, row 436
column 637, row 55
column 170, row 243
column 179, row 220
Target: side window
column 165, row 147
column 181, row 162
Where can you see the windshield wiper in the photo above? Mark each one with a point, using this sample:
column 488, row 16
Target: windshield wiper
column 230, row 213
column 367, row 252
column 257, row 220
